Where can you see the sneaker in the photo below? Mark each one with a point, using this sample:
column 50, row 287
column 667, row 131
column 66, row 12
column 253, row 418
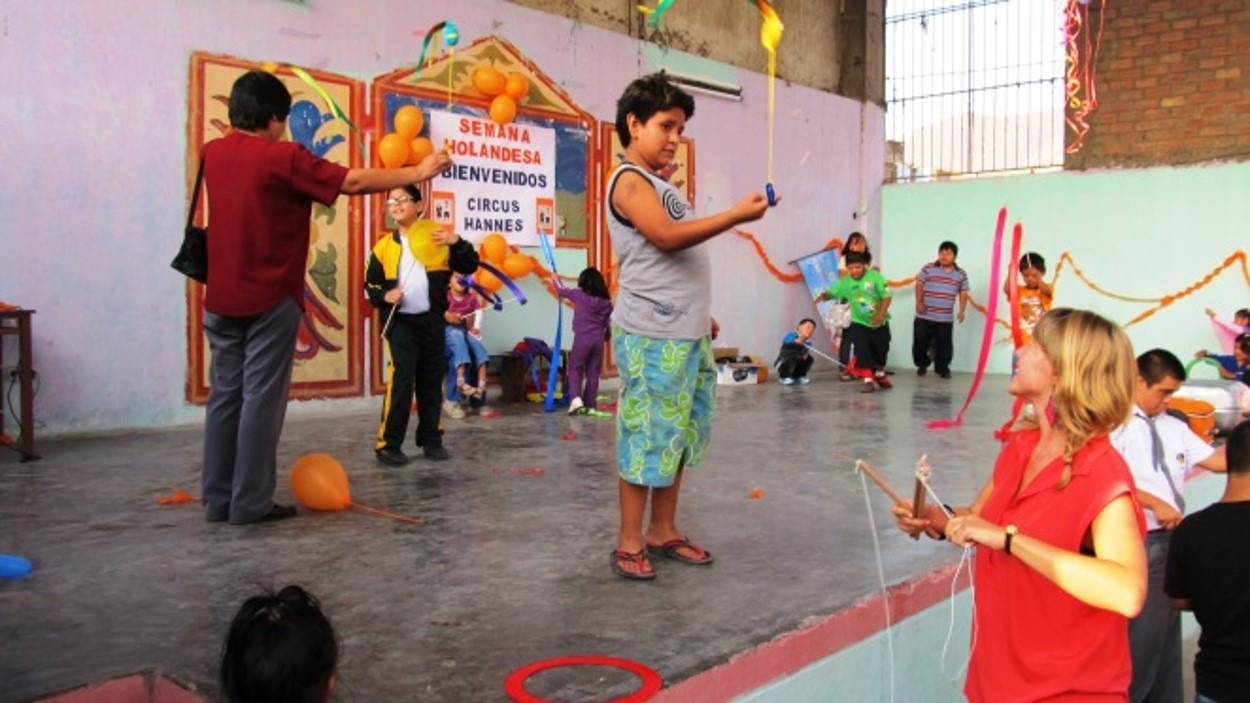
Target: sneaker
column 435, row 452
column 844, row 376
column 924, row 370
column 575, row 406
column 392, row 456
column 802, row 381
column 869, row 386
column 453, row 410
column 786, row 381
column 883, row 381
column 944, row 374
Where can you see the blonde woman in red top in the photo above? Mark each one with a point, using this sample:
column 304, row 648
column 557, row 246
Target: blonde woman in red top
column 1060, row 565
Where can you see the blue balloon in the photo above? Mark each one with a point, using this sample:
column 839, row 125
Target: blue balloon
column 451, row 33
column 12, row 567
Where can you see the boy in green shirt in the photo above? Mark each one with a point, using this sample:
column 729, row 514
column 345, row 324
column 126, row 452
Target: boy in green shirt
column 869, row 298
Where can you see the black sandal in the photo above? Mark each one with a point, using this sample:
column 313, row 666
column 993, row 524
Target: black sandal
column 640, row 558
column 671, row 549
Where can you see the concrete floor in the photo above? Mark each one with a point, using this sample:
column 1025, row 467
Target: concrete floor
column 512, row 564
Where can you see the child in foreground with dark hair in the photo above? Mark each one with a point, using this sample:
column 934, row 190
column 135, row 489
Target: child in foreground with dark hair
column 592, row 315
column 662, row 325
column 280, row 649
column 1208, row 569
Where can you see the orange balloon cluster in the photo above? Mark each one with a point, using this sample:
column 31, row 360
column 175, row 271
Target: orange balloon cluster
column 403, row 147
column 494, row 249
column 505, row 91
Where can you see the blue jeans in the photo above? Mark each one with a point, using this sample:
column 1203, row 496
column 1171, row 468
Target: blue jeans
column 462, row 349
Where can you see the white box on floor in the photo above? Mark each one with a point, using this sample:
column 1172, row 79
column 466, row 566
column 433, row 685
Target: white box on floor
column 741, row 373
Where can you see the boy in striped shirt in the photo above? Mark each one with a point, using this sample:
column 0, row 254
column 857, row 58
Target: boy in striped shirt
column 938, row 285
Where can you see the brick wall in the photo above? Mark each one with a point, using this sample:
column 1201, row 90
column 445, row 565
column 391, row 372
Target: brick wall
column 1173, row 82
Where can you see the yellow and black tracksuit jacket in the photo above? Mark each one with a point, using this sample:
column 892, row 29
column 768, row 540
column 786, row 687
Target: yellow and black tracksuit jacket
column 416, row 342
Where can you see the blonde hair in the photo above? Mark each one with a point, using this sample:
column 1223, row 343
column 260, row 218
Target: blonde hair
column 1093, row 360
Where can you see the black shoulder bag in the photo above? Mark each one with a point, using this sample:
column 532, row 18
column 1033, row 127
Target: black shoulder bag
column 192, row 258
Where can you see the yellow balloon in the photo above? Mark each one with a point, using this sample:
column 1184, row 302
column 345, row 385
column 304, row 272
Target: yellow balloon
column 432, row 255
column 318, row 482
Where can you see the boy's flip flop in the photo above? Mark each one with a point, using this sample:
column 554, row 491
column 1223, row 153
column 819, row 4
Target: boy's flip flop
column 640, row 558
column 671, row 549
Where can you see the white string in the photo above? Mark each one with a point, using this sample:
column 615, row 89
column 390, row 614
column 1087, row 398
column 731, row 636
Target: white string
column 950, row 626
column 966, row 558
column 823, row 355
column 885, row 595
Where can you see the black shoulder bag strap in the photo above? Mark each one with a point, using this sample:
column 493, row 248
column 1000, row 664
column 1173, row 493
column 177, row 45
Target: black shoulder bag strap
column 195, row 193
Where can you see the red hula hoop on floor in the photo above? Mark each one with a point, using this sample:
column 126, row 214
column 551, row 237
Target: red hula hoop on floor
column 514, row 686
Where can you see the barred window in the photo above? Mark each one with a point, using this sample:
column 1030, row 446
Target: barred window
column 973, row 87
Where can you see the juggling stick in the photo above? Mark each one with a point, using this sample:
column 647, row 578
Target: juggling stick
column 389, row 317
column 861, row 465
column 922, row 470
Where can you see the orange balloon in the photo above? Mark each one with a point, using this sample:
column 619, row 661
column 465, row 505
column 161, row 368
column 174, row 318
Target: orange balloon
column 487, row 280
column 489, row 81
column 517, row 86
column 496, row 248
column 408, row 122
column 503, row 109
column 393, row 150
column 318, row 482
column 418, row 150
column 518, row 265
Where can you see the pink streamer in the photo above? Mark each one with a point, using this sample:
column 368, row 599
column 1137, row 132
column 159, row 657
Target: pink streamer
column 1227, row 333
column 991, row 318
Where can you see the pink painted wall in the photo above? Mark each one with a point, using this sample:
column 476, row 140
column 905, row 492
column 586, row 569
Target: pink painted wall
column 93, row 191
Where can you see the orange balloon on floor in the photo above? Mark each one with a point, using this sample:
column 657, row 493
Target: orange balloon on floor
column 496, row 248
column 318, row 482
column 518, row 265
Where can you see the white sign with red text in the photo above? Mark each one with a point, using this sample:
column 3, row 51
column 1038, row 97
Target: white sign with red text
column 503, row 180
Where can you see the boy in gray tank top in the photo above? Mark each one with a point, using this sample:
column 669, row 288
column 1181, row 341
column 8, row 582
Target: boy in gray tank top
column 662, row 327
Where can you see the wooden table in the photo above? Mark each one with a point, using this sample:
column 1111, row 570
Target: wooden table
column 17, row 323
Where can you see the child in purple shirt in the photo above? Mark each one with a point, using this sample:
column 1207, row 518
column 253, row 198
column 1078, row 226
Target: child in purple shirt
column 592, row 311
column 464, row 342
